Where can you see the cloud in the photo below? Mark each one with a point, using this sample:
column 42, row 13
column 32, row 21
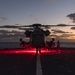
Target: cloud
column 51, row 0
column 73, row 28
column 61, row 25
column 6, row 33
column 2, row 19
column 67, row 35
column 58, row 31
column 9, row 26
column 72, row 17
column 17, row 24
column 11, row 37
column 52, row 36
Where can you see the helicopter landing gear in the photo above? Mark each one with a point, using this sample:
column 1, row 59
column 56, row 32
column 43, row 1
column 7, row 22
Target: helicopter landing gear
column 38, row 50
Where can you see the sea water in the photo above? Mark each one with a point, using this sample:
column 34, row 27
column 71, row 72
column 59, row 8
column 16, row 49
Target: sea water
column 9, row 45
column 17, row 45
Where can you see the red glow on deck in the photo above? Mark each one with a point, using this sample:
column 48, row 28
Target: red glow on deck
column 17, row 51
column 33, row 51
column 50, row 51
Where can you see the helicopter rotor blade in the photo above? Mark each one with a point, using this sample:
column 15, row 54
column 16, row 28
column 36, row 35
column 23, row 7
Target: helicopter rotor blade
column 26, row 28
column 9, row 26
column 33, row 26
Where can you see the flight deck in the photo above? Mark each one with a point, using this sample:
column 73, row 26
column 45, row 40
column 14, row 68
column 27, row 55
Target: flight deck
column 28, row 62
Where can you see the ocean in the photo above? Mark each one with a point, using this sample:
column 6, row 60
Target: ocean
column 9, row 45
column 17, row 45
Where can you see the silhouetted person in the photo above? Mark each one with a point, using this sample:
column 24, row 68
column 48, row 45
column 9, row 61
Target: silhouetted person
column 58, row 45
column 22, row 42
column 51, row 44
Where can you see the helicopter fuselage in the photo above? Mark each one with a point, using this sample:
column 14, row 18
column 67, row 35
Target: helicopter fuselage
column 37, row 37
column 37, row 40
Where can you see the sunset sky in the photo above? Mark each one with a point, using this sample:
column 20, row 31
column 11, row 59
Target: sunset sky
column 32, row 11
column 48, row 12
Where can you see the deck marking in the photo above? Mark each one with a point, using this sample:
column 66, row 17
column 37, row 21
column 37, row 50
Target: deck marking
column 38, row 66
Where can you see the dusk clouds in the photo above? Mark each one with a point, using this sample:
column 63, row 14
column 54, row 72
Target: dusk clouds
column 3, row 19
column 58, row 31
column 9, row 36
column 72, row 17
column 51, row 0
column 73, row 28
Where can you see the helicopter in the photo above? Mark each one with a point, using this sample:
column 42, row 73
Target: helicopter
column 37, row 36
